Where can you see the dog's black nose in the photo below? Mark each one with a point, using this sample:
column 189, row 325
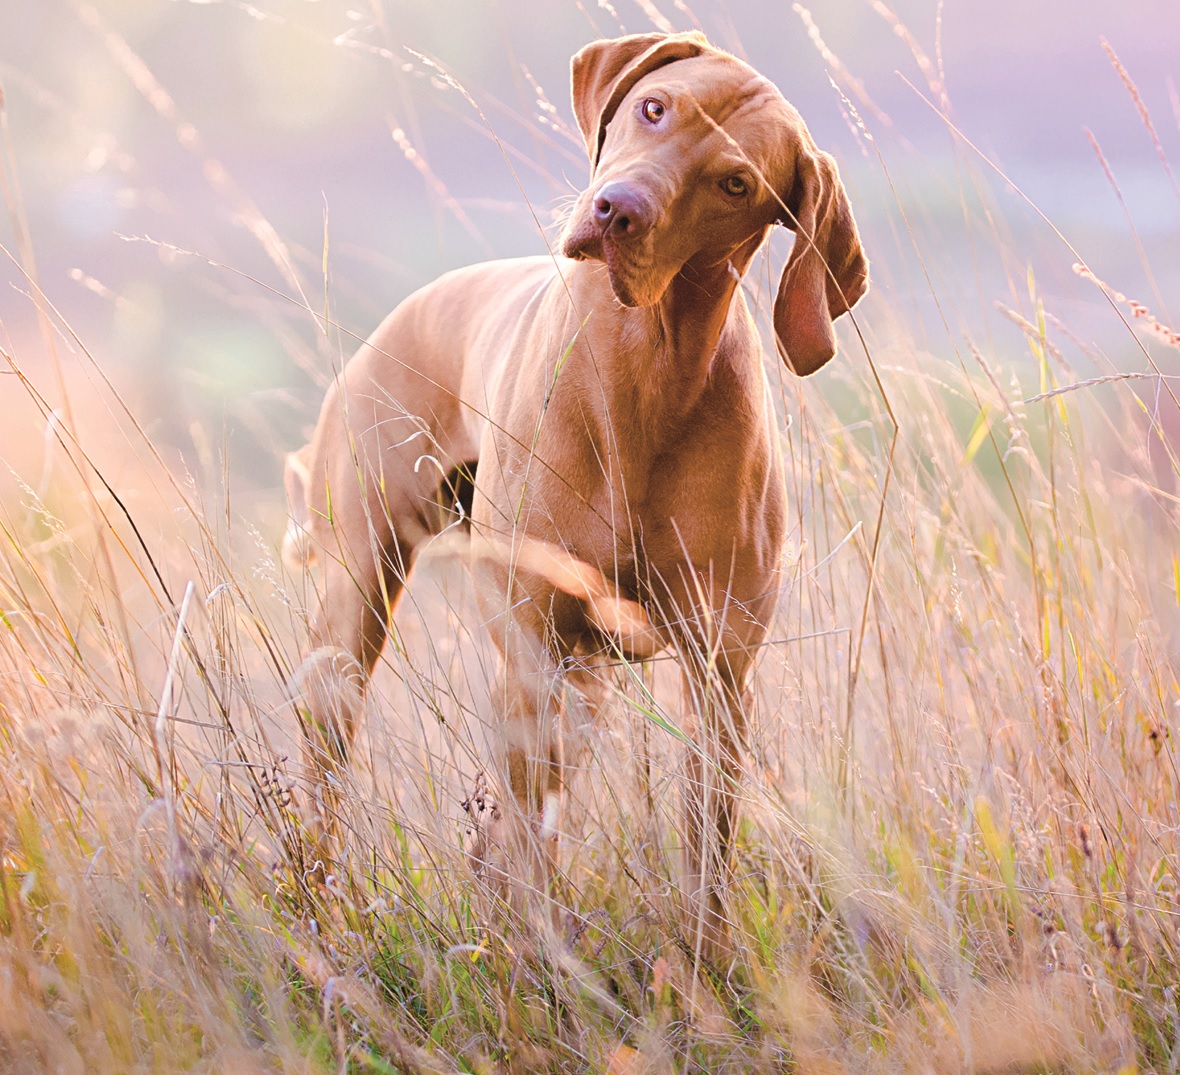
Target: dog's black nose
column 621, row 211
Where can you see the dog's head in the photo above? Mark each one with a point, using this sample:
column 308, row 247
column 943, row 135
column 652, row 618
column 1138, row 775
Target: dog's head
column 694, row 155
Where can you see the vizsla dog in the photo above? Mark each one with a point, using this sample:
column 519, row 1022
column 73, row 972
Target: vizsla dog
column 611, row 408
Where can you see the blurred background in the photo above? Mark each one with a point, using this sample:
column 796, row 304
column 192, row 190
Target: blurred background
column 215, row 199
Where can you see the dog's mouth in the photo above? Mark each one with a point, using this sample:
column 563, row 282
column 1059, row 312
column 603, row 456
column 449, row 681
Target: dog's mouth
column 630, row 280
column 582, row 240
column 627, row 280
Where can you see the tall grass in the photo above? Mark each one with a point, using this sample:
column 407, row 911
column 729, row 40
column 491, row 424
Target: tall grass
column 959, row 847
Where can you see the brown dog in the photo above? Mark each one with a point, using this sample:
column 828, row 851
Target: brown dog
column 612, row 406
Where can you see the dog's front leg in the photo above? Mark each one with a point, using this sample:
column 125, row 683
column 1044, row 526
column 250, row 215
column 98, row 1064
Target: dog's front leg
column 713, row 775
column 517, row 855
column 529, row 696
column 529, row 751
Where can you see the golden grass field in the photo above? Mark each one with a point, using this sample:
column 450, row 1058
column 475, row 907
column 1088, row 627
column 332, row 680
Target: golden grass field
column 960, row 842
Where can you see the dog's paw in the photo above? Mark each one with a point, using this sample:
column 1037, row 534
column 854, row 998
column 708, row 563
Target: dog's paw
column 318, row 814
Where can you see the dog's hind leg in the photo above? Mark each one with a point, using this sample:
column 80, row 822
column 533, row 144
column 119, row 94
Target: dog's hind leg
column 361, row 578
column 370, row 487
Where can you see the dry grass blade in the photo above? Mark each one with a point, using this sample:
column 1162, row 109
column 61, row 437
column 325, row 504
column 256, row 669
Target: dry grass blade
column 1141, row 107
column 214, row 172
column 957, row 850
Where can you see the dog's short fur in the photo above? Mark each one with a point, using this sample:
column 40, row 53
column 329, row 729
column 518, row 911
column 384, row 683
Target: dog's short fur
column 612, row 406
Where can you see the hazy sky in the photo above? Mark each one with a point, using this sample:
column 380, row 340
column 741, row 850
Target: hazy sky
column 255, row 132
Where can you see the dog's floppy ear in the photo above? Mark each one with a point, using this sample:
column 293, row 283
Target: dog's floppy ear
column 827, row 271
column 604, row 72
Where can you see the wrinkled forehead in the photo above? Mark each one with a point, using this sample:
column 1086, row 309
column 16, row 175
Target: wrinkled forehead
column 722, row 92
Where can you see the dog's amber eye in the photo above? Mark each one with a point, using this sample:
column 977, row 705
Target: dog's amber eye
column 735, row 186
column 652, row 110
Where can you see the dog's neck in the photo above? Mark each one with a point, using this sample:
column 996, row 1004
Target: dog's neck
column 682, row 337
column 693, row 314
